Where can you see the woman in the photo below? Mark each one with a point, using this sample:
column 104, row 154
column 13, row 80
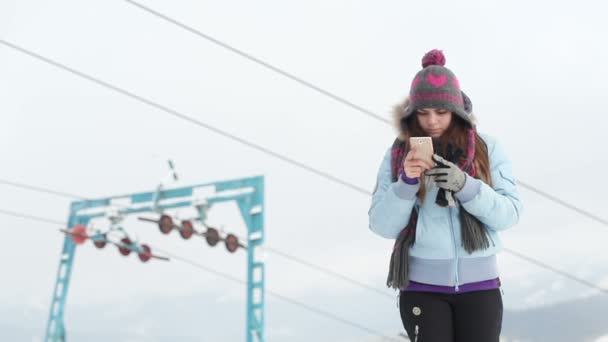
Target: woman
column 444, row 217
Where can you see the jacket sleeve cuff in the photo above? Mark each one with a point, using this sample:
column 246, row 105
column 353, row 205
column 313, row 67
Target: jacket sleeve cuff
column 469, row 190
column 404, row 190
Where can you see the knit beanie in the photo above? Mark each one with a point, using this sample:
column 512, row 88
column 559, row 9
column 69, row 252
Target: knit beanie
column 436, row 86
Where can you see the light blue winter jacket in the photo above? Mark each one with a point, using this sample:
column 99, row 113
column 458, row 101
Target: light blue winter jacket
column 437, row 256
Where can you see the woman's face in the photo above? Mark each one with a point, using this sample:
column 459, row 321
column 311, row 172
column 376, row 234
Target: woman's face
column 434, row 121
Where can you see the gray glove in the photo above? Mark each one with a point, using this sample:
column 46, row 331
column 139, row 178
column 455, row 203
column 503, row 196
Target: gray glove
column 447, row 175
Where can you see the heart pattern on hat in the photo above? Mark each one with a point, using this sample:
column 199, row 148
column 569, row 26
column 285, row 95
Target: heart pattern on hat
column 437, row 81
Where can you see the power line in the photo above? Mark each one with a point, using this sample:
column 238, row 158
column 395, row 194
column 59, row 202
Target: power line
column 335, row 97
column 358, row 283
column 185, row 117
column 564, row 203
column 48, row 191
column 274, row 154
column 305, row 306
column 259, row 62
column 553, row 269
column 328, row 271
column 227, row 276
column 256, row 146
column 32, row 217
column 266, row 248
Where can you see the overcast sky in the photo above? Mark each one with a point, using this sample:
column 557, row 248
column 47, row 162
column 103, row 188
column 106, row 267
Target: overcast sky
column 535, row 71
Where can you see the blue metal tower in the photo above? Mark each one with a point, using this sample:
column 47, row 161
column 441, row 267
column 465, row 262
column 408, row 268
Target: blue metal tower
column 247, row 192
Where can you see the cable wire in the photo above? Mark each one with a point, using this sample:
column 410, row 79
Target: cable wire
column 555, row 270
column 195, row 121
column 255, row 146
column 358, row 283
column 32, row 217
column 48, row 191
column 563, row 203
column 282, row 297
column 185, row 117
column 208, row 269
column 334, row 96
column 328, row 271
column 259, row 61
column 266, row 248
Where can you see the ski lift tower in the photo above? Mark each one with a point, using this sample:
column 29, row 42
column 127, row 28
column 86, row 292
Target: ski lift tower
column 248, row 194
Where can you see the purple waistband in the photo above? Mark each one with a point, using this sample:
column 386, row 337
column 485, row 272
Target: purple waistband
column 477, row 286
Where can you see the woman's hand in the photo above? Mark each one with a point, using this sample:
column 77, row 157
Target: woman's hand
column 414, row 167
column 447, row 175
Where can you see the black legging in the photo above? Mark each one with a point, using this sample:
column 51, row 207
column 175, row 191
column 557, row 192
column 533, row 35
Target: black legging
column 464, row 317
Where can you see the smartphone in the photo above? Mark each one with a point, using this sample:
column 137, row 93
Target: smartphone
column 424, row 148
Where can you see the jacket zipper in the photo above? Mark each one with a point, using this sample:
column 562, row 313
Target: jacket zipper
column 457, row 288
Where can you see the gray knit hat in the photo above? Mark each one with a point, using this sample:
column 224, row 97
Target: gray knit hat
column 436, row 86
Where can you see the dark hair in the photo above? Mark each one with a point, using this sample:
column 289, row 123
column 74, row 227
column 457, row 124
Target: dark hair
column 456, row 135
